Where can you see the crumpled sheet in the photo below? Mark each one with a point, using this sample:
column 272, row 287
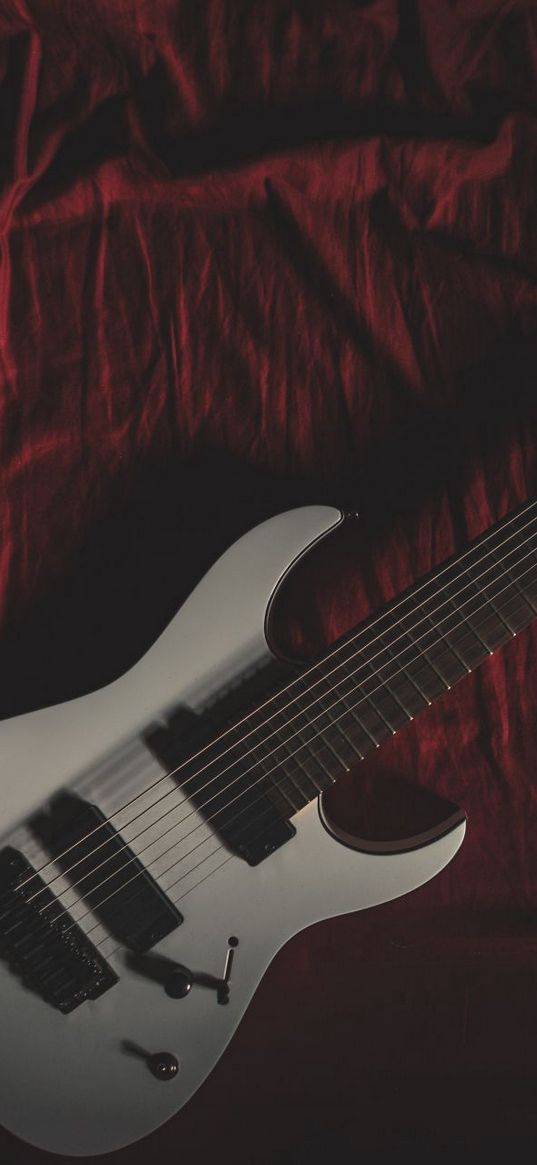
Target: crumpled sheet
column 257, row 255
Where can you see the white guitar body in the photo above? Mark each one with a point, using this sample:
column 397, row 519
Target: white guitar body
column 67, row 1082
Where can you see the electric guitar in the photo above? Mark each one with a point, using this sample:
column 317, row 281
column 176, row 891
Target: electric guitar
column 164, row 836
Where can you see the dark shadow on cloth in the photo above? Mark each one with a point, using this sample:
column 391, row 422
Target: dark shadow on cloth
column 246, row 133
column 102, row 136
column 428, row 445
column 134, row 568
column 131, row 572
column 242, row 134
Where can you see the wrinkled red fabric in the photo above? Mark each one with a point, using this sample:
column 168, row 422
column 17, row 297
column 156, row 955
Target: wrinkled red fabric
column 256, row 255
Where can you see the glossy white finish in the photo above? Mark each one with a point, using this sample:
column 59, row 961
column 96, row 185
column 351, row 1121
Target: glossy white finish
column 66, row 1083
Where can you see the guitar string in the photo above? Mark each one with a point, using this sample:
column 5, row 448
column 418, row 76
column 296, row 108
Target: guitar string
column 280, row 744
column 237, row 798
column 188, row 873
column 427, row 582
column 332, row 653
column 175, row 791
column 175, row 901
column 182, row 877
column 216, row 850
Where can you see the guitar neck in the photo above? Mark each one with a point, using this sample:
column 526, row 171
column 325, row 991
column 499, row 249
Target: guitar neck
column 383, row 673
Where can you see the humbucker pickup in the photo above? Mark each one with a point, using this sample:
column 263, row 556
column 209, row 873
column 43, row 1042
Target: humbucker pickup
column 242, row 807
column 106, row 873
column 42, row 943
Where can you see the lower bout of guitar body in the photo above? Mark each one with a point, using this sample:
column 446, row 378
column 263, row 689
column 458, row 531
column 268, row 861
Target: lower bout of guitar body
column 79, row 1084
column 88, row 1082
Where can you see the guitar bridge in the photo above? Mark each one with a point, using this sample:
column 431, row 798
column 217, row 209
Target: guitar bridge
column 41, row 942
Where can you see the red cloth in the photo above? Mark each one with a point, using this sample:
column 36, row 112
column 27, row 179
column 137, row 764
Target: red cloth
column 254, row 255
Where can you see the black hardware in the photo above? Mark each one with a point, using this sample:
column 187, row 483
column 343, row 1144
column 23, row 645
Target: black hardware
column 107, row 874
column 178, row 980
column 178, row 983
column 247, row 819
column 163, row 1065
column 42, row 943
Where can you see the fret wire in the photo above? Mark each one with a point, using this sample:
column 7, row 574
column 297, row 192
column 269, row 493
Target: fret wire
column 389, row 679
column 521, row 590
column 327, row 744
column 339, row 728
column 368, row 698
column 318, row 774
column 279, row 785
column 463, row 627
column 322, row 743
column 356, row 719
column 387, row 689
column 526, row 598
column 261, row 762
column 500, row 616
column 508, row 609
column 426, row 655
column 485, row 591
column 444, row 635
column 326, row 741
column 421, row 691
column 444, row 643
column 408, row 676
column 375, row 705
column 310, row 777
column 299, row 731
column 302, row 763
column 529, row 582
column 467, row 618
column 516, row 584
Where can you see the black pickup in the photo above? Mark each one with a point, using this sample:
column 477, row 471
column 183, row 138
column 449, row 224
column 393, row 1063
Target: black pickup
column 40, row 941
column 242, row 807
column 105, row 872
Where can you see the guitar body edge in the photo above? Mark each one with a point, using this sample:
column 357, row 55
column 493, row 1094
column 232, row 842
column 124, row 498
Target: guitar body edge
column 99, row 1096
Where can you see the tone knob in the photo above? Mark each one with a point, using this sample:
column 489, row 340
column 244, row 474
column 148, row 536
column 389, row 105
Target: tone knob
column 163, row 1065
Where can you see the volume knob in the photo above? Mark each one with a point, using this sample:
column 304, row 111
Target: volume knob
column 178, row 983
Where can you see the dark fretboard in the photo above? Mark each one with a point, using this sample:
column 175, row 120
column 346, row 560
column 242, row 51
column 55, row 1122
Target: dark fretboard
column 383, row 673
